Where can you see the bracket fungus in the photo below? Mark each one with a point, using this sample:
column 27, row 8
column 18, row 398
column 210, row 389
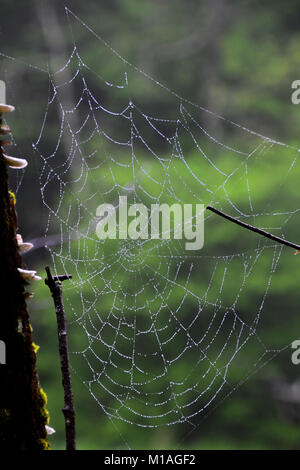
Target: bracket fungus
column 23, row 246
column 29, row 275
column 14, row 162
column 6, row 108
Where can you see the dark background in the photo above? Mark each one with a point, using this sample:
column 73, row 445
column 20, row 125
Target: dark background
column 235, row 59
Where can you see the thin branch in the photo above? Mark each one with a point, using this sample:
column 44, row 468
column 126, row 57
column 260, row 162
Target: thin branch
column 254, row 229
column 55, row 286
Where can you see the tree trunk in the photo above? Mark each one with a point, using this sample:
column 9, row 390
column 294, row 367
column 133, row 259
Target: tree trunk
column 23, row 415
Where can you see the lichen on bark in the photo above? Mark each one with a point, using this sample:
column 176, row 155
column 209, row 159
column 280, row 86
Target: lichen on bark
column 23, row 413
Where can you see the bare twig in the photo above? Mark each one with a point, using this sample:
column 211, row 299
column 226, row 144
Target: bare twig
column 54, row 284
column 254, row 229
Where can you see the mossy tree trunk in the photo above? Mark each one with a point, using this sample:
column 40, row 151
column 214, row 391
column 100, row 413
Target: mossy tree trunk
column 23, row 415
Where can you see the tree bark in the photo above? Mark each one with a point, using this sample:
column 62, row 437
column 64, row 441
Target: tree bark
column 23, row 415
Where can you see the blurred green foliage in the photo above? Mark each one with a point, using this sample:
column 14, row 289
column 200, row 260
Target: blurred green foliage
column 236, row 59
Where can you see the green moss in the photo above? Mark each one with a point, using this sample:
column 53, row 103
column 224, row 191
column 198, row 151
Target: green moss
column 44, row 444
column 35, row 347
column 43, row 409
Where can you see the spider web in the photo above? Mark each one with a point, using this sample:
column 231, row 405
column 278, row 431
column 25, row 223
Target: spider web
column 160, row 335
